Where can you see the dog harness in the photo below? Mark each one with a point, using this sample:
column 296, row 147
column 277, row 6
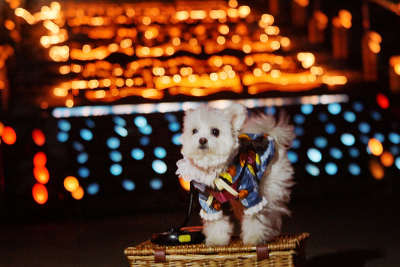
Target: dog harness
column 242, row 179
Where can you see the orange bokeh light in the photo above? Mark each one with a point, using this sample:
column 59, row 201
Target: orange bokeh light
column 78, row 193
column 39, row 193
column 184, row 184
column 375, row 146
column 40, row 159
column 376, row 169
column 38, row 137
column 9, row 136
column 41, row 174
column 387, row 159
column 71, row 183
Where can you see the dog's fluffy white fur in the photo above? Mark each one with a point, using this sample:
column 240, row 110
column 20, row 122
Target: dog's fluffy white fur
column 210, row 142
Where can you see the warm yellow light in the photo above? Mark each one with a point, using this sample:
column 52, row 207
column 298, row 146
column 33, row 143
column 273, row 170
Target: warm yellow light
column 182, row 15
column 275, row 73
column 387, row 159
column 275, row 45
column 184, row 184
column 145, row 50
column 146, row 21
column 176, row 41
column 192, row 78
column 223, row 29
column 244, row 11
column 213, row 76
column 285, row 42
column 263, row 38
column 71, row 183
column 113, row 47
column 193, row 41
column 236, row 39
column 376, row 169
column 233, row 3
column 221, row 40
column 397, row 68
column 65, row 70
column 247, row 48
column 78, row 193
column 257, row 72
column 374, row 47
column 69, row 103
column 60, row 92
column 375, row 146
column 266, row 67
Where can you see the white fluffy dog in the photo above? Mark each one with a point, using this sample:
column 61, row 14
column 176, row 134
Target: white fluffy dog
column 230, row 157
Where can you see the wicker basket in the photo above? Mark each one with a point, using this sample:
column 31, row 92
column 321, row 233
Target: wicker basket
column 285, row 250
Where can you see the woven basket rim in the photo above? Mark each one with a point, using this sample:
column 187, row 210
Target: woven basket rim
column 279, row 243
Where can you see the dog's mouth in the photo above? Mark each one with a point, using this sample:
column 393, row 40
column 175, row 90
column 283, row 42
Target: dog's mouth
column 203, row 147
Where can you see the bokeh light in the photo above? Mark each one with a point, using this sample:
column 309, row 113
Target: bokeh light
column 137, row 154
column 41, row 174
column 354, row 169
column 387, row 159
column 160, row 152
column 314, row 155
column 156, row 183
column 40, row 159
column 116, row 169
column 9, row 136
column 185, row 184
column 39, row 193
column 375, row 146
column 71, row 183
column 113, row 142
column 38, row 137
column 331, row 168
column 93, row 188
column 128, row 184
column 382, row 101
column 376, row 169
column 78, row 193
column 312, row 169
column 159, row 166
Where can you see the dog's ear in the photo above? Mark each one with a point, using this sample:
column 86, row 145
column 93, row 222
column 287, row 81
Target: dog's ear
column 237, row 114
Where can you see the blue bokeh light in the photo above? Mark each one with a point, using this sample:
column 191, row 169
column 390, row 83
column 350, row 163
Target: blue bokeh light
column 170, row 117
column 116, row 169
column 347, row 139
column 86, row 134
column 82, row 157
column 115, row 156
column 314, row 155
column 354, row 152
column 174, row 126
column 137, row 154
column 376, row 115
column 296, row 143
column 64, row 125
column 144, row 140
column 397, row 163
column 380, row 137
column 62, row 136
column 299, row 131
column 364, row 127
column 336, row 153
column 394, row 138
column 307, row 109
column 176, row 139
column 323, row 117
column 159, row 166
column 395, row 150
column 160, row 152
column 128, row 185
column 299, row 119
column 334, row 108
column 119, row 121
column 156, row 183
column 349, row 116
column 364, row 139
column 121, row 130
column 90, row 123
column 330, row 128
column 270, row 110
column 93, row 188
column 146, row 129
column 83, row 172
column 312, row 169
column 113, row 142
column 331, row 168
column 78, row 146
column 358, row 106
column 292, row 156
column 320, row 142
column 354, row 169
column 140, row 121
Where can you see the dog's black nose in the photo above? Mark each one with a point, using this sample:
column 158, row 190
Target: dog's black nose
column 203, row 141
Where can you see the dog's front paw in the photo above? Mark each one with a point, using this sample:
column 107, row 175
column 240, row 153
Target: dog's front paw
column 219, row 240
column 218, row 232
column 252, row 239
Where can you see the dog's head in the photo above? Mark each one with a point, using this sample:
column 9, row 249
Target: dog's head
column 210, row 136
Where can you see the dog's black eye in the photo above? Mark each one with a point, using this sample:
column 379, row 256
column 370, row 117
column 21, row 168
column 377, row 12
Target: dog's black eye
column 194, row 131
column 215, row 132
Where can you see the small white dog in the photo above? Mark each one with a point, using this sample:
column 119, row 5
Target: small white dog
column 230, row 157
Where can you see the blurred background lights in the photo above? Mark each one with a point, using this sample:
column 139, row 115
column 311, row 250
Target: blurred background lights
column 292, row 156
column 120, row 130
column 140, row 121
column 312, row 169
column 39, row 193
column 144, row 140
column 41, row 174
column 146, row 129
column 296, row 143
column 394, row 138
column 323, row 117
column 330, row 128
column 382, row 101
column 397, row 162
column 375, row 146
column 376, row 115
column 270, row 110
column 9, row 136
column 86, row 134
column 38, row 137
column 299, row 119
column 116, row 169
column 380, row 137
column 176, row 139
column 354, row 152
column 160, row 152
column 376, row 169
column 306, row 109
column 83, row 172
column 387, row 159
column 349, row 116
column 128, row 184
column 156, row 183
column 395, row 150
column 82, row 157
column 299, row 131
column 93, row 188
column 113, row 142
column 115, row 156
column 78, row 193
column 314, row 155
column 336, row 153
column 358, row 106
column 174, row 126
column 137, row 154
column 159, row 166
column 364, row 139
column 334, row 108
column 77, row 146
column 347, row 139
column 320, row 142
column 119, row 121
column 40, row 159
column 185, row 184
column 71, row 183
column 90, row 123
column 331, row 168
column 64, row 125
column 354, row 169
column 62, row 137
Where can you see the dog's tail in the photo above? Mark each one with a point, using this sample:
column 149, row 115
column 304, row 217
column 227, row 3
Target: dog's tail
column 278, row 178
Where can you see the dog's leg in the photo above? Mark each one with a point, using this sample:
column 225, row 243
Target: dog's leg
column 218, row 232
column 258, row 228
